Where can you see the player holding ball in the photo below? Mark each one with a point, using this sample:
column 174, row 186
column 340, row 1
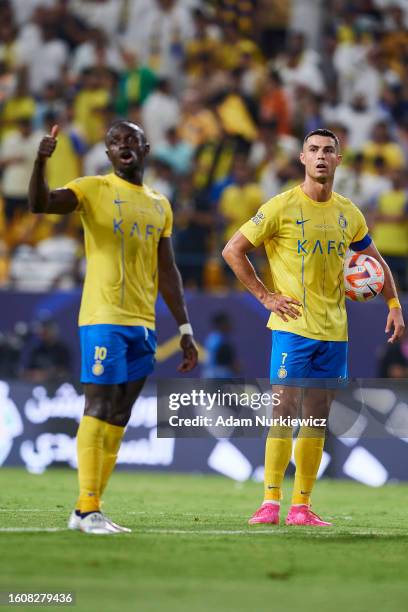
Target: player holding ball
column 306, row 233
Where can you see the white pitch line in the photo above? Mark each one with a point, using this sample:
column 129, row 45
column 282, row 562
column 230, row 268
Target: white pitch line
column 150, row 531
column 156, row 531
column 217, row 532
column 47, row 511
column 28, row 510
column 213, row 531
column 140, row 512
column 31, row 529
column 273, row 531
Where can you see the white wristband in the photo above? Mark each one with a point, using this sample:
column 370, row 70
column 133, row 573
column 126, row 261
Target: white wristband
column 186, row 329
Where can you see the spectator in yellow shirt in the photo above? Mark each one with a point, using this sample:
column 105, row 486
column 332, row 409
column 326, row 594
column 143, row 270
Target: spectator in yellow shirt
column 21, row 104
column 390, row 232
column 240, row 200
column 233, row 45
column 65, row 165
column 381, row 144
column 198, row 124
column 93, row 96
column 201, row 43
column 235, row 111
column 395, row 41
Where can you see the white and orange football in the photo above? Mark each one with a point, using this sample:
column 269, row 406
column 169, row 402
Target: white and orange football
column 363, row 277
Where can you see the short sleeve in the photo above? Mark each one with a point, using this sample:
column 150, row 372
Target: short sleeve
column 263, row 225
column 86, row 190
column 360, row 230
column 168, row 221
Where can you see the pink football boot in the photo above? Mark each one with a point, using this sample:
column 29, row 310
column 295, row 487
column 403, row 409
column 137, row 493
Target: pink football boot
column 267, row 514
column 302, row 515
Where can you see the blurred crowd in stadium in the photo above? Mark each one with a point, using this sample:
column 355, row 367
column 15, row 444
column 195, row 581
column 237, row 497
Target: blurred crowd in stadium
column 226, row 91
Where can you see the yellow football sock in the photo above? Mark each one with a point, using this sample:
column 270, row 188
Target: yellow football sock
column 90, row 439
column 308, row 454
column 278, row 452
column 111, row 445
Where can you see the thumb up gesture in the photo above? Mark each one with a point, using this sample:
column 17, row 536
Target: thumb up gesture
column 47, row 145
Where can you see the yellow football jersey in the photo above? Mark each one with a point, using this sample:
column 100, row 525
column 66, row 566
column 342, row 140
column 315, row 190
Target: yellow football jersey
column 305, row 243
column 123, row 224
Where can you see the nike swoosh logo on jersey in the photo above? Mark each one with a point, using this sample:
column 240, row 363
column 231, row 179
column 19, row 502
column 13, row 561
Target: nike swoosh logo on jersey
column 301, row 221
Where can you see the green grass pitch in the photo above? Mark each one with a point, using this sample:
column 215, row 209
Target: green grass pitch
column 192, row 550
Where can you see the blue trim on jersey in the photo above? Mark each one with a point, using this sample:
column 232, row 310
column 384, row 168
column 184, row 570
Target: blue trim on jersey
column 114, row 354
column 360, row 245
column 295, row 360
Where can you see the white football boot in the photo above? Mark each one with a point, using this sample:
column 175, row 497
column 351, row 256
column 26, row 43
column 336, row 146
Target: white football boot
column 74, row 523
column 96, row 524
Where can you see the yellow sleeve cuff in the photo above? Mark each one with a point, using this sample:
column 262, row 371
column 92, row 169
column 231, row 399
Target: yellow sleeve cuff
column 393, row 303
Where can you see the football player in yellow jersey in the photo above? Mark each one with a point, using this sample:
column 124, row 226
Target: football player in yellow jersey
column 127, row 229
column 306, row 232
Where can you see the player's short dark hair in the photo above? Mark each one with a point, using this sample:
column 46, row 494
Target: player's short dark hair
column 123, row 122
column 323, row 132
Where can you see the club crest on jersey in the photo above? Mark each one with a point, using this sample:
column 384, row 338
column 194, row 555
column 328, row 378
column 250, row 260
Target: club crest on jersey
column 97, row 369
column 282, row 372
column 259, row 217
column 342, row 221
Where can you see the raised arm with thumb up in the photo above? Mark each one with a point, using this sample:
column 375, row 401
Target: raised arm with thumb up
column 48, row 143
column 54, row 131
column 40, row 198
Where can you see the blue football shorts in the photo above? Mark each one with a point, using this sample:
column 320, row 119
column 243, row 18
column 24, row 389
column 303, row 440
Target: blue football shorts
column 297, row 361
column 114, row 354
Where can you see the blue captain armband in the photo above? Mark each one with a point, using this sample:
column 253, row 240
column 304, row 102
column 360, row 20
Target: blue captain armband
column 360, row 245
